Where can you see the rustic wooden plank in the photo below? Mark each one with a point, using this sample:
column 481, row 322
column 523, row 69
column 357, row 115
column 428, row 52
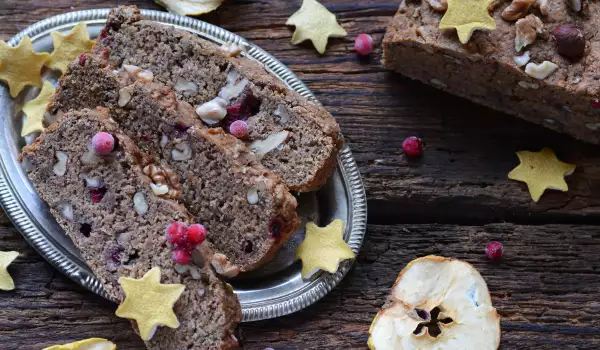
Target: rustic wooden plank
column 546, row 288
column 470, row 149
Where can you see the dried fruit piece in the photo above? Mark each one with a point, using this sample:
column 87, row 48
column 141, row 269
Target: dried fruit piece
column 6, row 258
column 21, row 66
column 467, row 16
column 149, row 302
column 189, row 7
column 68, row 46
column 569, row 40
column 435, row 293
column 323, row 248
column 363, row 45
column 176, row 233
column 96, row 195
column 315, row 23
column 87, row 344
column 541, row 171
column 35, row 110
column 494, row 250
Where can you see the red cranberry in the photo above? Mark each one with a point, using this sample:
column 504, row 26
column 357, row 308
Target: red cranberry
column 196, row 234
column 82, row 59
column 181, row 257
column 363, row 44
column 145, row 138
column 239, row 129
column 596, row 103
column 249, row 106
column 97, row 194
column 412, row 146
column 276, row 228
column 103, row 33
column 103, row 143
column 176, row 233
column 494, row 250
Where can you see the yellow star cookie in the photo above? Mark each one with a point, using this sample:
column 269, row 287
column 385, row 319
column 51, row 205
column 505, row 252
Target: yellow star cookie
column 149, row 302
column 313, row 21
column 35, row 110
column 541, row 171
column 68, row 46
column 21, row 66
column 466, row 16
column 87, row 344
column 189, row 7
column 323, row 248
column 6, row 282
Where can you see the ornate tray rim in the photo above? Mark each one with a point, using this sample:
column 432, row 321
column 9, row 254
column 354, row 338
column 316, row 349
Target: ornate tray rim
column 20, row 215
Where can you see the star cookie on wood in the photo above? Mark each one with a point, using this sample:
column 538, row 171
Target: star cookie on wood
column 87, row 344
column 35, row 110
column 541, row 171
column 21, row 66
column 68, row 46
column 323, row 248
column 315, row 23
column 149, row 302
column 6, row 258
column 467, row 16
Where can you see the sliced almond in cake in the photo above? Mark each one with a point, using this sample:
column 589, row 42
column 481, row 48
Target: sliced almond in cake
column 105, row 203
column 292, row 136
column 247, row 210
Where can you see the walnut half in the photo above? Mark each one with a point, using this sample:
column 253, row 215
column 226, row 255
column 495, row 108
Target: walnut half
column 164, row 177
column 438, row 5
column 527, row 30
column 520, row 8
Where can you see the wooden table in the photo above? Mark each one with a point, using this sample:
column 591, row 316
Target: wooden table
column 451, row 202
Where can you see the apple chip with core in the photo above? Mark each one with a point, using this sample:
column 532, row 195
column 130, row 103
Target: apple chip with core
column 437, row 303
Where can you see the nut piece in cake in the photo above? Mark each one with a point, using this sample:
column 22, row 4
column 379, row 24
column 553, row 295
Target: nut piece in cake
column 440, row 303
column 540, row 71
column 527, row 30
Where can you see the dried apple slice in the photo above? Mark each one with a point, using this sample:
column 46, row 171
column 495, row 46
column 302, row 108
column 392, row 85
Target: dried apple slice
column 437, row 303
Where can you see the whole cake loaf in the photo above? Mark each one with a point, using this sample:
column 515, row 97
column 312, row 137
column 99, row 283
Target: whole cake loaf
column 294, row 137
column 247, row 210
column 537, row 59
column 105, row 203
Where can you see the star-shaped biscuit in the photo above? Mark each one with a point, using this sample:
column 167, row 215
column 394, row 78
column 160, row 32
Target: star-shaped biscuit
column 149, row 302
column 6, row 282
column 466, row 16
column 68, row 46
column 21, row 66
column 323, row 248
column 35, row 110
column 315, row 23
column 87, row 344
column 541, row 171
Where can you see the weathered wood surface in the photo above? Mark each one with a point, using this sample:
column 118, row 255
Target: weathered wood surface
column 546, row 288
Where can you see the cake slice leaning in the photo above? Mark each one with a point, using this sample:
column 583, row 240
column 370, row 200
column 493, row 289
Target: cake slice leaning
column 296, row 138
column 247, row 209
column 106, row 206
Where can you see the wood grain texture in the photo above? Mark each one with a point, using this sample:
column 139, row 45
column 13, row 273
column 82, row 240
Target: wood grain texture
column 546, row 288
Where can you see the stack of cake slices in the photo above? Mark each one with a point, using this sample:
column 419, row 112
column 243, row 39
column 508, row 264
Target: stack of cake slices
column 169, row 99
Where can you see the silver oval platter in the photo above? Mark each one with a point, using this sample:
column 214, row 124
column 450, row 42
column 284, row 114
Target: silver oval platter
column 276, row 289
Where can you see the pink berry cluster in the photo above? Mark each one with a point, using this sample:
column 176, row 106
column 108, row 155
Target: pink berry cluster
column 184, row 239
